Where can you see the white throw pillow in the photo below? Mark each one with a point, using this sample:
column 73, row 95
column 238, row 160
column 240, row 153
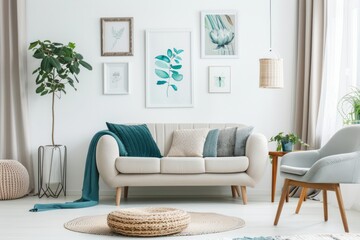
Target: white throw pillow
column 188, row 142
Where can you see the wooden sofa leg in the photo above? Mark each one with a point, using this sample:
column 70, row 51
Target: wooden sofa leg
column 244, row 194
column 126, row 191
column 233, row 192
column 118, row 196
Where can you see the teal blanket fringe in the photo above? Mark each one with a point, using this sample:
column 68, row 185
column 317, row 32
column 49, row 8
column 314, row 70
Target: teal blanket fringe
column 90, row 190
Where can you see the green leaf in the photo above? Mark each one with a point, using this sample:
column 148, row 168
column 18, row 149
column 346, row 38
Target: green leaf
column 79, row 56
column 44, row 93
column 77, row 70
column 55, row 63
column 177, row 77
column 40, row 89
column 85, row 65
column 178, row 58
column 63, row 90
column 169, row 53
column 161, row 73
column 163, row 58
column 33, row 44
column 71, row 45
column 180, row 51
column 72, row 69
column 76, row 78
column 175, row 50
column 174, row 87
column 58, row 44
column 175, row 66
column 161, row 64
column 45, row 64
column 177, row 61
column 39, row 54
column 36, row 70
column 67, row 59
column 161, row 82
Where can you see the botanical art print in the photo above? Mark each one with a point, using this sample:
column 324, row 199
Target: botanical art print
column 116, row 36
column 219, row 35
column 169, row 80
column 116, row 78
column 168, row 69
column 219, row 79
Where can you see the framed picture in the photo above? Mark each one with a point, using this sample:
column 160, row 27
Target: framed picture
column 117, row 36
column 169, row 76
column 219, row 34
column 219, row 79
column 116, row 78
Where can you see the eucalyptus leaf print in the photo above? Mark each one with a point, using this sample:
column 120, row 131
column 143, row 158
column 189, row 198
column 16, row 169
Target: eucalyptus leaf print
column 168, row 69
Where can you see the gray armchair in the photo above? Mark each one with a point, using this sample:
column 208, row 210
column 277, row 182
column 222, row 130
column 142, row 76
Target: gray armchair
column 336, row 162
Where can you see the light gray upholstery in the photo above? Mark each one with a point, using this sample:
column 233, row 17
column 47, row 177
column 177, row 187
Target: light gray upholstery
column 181, row 171
column 337, row 162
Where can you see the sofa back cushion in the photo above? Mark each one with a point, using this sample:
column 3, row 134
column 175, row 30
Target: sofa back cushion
column 210, row 146
column 163, row 132
column 226, row 142
column 137, row 140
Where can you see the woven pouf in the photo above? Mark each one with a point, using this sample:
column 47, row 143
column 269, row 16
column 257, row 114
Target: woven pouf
column 14, row 180
column 148, row 222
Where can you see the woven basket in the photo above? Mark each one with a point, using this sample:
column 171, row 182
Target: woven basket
column 14, row 180
column 148, row 222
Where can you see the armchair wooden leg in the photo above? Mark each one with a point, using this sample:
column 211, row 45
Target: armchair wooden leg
column 341, row 207
column 118, row 196
column 244, row 194
column 284, row 193
column 126, row 191
column 301, row 199
column 287, row 194
column 325, row 204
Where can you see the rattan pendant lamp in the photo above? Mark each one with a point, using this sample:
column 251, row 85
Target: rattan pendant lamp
column 271, row 68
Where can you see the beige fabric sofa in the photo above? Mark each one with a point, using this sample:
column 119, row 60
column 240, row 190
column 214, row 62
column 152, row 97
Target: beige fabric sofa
column 124, row 172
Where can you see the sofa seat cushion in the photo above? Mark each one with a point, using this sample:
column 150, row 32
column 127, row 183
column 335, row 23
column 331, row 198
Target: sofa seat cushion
column 182, row 165
column 137, row 165
column 226, row 164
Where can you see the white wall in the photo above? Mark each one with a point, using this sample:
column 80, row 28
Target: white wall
column 79, row 115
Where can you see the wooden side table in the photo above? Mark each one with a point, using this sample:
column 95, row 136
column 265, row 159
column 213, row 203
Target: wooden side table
column 275, row 156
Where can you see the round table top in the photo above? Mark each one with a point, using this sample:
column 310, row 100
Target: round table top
column 278, row 154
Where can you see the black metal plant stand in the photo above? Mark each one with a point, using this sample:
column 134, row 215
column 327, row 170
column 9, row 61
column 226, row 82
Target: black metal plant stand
column 52, row 170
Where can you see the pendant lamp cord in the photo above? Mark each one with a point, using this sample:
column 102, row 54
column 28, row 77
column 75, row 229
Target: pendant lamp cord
column 270, row 28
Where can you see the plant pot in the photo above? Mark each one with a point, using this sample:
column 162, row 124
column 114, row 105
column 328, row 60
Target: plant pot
column 287, row 146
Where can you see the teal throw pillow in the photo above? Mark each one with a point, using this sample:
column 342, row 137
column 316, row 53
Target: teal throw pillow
column 137, row 140
column 242, row 135
column 210, row 146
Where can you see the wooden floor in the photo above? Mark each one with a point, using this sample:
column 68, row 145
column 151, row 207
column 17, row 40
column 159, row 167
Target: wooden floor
column 17, row 223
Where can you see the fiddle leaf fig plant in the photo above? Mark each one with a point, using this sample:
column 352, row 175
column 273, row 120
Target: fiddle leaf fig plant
column 60, row 64
column 282, row 139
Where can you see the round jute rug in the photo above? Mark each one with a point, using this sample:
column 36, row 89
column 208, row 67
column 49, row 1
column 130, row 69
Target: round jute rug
column 201, row 223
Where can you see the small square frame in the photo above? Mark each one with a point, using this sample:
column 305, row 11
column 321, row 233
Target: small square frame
column 219, row 79
column 118, row 41
column 116, row 78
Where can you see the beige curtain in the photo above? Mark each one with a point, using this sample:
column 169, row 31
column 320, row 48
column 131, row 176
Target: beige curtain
column 311, row 35
column 14, row 140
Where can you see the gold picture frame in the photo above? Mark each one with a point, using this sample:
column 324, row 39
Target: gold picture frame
column 117, row 36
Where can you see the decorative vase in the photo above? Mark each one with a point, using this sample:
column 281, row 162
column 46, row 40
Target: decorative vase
column 52, row 170
column 287, row 146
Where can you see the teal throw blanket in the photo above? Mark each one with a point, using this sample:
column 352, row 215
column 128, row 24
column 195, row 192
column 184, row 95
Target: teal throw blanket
column 90, row 190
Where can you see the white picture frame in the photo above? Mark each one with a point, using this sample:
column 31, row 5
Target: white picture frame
column 220, row 27
column 117, row 36
column 169, row 68
column 219, row 79
column 116, row 78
